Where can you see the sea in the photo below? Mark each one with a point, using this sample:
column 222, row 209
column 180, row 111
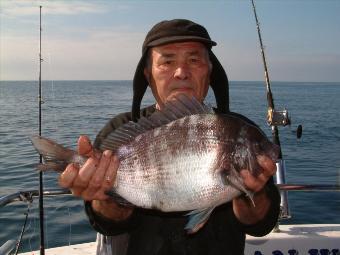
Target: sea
column 73, row 108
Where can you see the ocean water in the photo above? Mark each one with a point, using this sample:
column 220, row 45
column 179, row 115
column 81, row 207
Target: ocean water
column 72, row 108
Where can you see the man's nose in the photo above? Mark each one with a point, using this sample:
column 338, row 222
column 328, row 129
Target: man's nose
column 182, row 72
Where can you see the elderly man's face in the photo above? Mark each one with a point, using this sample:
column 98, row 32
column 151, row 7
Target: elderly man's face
column 179, row 68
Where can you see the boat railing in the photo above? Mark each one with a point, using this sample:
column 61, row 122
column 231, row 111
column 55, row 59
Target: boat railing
column 26, row 196
column 8, row 247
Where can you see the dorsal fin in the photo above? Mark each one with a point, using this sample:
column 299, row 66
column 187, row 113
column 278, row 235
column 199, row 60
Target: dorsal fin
column 175, row 109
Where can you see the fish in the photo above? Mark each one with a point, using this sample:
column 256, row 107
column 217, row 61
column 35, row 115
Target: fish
column 183, row 158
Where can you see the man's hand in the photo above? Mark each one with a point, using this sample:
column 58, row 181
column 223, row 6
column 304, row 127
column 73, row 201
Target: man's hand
column 93, row 179
column 243, row 207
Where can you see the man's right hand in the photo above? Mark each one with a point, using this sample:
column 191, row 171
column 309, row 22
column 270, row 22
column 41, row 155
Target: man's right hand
column 93, row 179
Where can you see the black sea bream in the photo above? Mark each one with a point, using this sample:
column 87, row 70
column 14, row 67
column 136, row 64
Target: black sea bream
column 182, row 158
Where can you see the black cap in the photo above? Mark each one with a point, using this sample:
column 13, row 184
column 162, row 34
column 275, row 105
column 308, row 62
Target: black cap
column 180, row 30
column 177, row 30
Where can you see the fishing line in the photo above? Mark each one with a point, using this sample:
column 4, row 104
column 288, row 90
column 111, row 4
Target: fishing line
column 46, row 232
column 70, row 224
column 51, row 108
column 23, row 230
column 53, row 219
column 53, row 97
column 47, row 222
column 62, row 215
column 33, row 234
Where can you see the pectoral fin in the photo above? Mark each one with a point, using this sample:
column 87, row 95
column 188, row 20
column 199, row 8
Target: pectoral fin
column 197, row 219
column 236, row 181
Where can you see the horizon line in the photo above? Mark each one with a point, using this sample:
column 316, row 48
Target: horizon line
column 132, row 80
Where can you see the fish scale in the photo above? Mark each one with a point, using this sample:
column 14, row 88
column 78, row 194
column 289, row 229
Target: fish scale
column 191, row 157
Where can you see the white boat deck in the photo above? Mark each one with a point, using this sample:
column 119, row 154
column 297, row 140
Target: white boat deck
column 77, row 249
column 292, row 240
column 297, row 239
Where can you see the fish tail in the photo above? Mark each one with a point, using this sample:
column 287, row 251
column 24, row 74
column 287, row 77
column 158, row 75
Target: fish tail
column 56, row 157
column 58, row 167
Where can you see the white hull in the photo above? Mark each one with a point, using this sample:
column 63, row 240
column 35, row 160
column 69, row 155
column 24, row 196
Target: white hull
column 297, row 239
column 77, row 249
column 290, row 240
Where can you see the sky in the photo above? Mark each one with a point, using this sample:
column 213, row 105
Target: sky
column 101, row 40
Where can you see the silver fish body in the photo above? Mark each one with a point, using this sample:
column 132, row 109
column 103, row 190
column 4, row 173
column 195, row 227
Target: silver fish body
column 179, row 166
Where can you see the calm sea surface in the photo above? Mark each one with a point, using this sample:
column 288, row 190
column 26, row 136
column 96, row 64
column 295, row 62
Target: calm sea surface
column 72, row 108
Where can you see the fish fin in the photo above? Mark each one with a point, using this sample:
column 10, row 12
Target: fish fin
column 250, row 196
column 175, row 109
column 180, row 107
column 118, row 198
column 251, row 163
column 236, row 181
column 125, row 134
column 56, row 156
column 197, row 219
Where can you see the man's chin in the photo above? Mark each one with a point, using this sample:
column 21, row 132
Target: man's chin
column 188, row 92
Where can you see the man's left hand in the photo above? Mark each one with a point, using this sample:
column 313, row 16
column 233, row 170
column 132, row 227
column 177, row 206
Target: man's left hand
column 243, row 207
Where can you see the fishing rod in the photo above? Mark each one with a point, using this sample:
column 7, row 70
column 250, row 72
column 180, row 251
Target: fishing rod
column 41, row 184
column 275, row 119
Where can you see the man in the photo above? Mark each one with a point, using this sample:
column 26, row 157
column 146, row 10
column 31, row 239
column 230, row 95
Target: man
column 177, row 58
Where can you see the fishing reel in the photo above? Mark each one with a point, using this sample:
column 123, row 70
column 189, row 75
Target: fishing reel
column 281, row 118
column 278, row 118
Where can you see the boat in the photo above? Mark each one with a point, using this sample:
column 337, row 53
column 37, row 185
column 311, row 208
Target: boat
column 312, row 239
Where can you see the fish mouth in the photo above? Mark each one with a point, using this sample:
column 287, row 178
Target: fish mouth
column 275, row 153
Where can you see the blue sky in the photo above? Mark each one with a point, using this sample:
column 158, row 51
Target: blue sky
column 101, row 40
